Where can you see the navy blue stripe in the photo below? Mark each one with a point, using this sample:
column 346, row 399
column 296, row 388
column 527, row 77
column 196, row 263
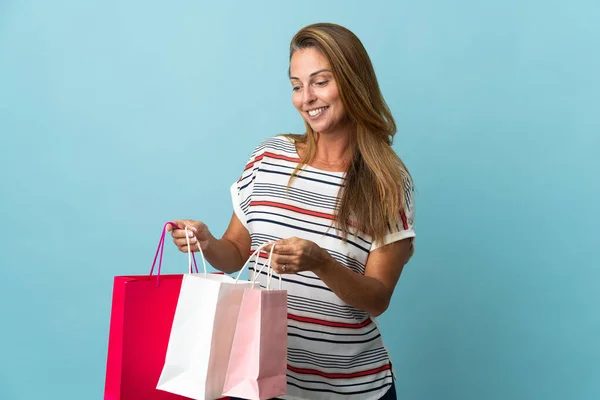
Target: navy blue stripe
column 348, row 311
column 307, row 230
column 325, row 304
column 374, row 353
column 322, row 332
column 340, row 386
column 316, row 311
column 247, row 184
column 301, row 177
column 335, row 366
column 275, row 276
column 312, row 339
column 287, row 196
column 305, row 171
column 336, row 392
column 298, row 193
column 292, row 218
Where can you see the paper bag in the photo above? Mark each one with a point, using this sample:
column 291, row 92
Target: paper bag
column 258, row 360
column 202, row 334
column 140, row 322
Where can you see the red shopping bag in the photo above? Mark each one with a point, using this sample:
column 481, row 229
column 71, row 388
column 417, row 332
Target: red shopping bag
column 140, row 324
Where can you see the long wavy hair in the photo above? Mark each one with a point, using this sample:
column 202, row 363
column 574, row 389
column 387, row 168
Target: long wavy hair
column 374, row 194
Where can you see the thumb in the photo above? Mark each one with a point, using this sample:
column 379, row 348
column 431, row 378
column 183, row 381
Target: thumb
column 178, row 225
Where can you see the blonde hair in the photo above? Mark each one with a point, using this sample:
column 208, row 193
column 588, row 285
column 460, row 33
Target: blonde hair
column 374, row 195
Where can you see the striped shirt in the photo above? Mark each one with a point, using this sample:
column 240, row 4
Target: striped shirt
column 334, row 350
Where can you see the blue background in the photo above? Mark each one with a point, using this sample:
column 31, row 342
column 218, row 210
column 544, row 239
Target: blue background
column 116, row 116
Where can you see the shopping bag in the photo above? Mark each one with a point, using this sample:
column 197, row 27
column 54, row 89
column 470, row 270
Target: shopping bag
column 201, row 335
column 258, row 360
column 140, row 322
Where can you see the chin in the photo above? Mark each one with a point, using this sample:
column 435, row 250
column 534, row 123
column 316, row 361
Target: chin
column 321, row 128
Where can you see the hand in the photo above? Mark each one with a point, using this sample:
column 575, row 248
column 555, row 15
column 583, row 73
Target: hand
column 293, row 255
column 197, row 231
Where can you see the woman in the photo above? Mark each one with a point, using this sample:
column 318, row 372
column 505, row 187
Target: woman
column 336, row 202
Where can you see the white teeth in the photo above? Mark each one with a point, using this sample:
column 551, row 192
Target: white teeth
column 316, row 112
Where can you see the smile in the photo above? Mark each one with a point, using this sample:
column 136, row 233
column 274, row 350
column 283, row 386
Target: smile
column 317, row 111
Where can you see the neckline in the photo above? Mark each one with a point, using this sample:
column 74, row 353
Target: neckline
column 310, row 167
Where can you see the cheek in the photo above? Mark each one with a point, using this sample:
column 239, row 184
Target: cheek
column 339, row 106
column 341, row 112
column 297, row 102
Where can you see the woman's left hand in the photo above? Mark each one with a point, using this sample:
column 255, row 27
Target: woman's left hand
column 294, row 255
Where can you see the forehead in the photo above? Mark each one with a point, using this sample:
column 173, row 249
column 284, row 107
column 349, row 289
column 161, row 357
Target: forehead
column 306, row 61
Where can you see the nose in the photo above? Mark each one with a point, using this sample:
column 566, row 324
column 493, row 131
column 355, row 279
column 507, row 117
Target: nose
column 309, row 95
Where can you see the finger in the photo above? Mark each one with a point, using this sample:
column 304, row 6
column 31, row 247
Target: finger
column 283, row 249
column 194, row 244
column 191, row 227
column 183, row 242
column 280, row 261
column 278, row 268
column 170, row 227
column 184, row 249
column 284, row 268
column 179, row 224
column 181, row 233
column 267, row 246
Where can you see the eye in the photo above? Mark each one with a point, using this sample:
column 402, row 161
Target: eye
column 296, row 88
column 321, row 83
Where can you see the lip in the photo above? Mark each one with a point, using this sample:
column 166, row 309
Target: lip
column 316, row 116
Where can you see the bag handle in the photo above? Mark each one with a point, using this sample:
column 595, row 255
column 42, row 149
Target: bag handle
column 254, row 254
column 160, row 249
column 269, row 273
column 191, row 253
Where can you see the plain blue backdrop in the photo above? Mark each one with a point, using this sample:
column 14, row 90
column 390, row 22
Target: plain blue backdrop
column 118, row 115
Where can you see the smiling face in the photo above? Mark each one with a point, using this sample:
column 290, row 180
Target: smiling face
column 315, row 92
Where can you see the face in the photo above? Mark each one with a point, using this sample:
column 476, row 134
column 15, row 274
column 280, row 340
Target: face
column 315, row 92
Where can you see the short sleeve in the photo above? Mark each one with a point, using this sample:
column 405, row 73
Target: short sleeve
column 404, row 227
column 241, row 190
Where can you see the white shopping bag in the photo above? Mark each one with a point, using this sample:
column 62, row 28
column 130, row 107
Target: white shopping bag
column 201, row 335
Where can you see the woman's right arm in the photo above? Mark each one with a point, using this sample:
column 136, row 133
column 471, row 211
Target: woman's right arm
column 227, row 254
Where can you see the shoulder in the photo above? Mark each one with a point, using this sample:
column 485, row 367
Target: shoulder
column 279, row 144
column 407, row 188
column 407, row 181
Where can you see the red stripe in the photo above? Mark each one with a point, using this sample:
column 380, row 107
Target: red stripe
column 291, row 208
column 261, row 254
column 339, row 375
column 404, row 222
column 281, row 157
column 251, row 163
column 330, row 323
column 271, row 155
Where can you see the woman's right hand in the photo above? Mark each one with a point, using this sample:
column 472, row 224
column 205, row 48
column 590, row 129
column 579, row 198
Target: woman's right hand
column 197, row 231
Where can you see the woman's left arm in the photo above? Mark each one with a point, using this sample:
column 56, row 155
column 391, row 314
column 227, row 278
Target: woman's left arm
column 370, row 292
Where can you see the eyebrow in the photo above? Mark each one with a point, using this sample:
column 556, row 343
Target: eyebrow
column 313, row 74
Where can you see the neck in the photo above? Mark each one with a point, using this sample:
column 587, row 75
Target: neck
column 335, row 148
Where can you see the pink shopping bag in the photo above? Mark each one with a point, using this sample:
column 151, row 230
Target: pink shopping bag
column 258, row 360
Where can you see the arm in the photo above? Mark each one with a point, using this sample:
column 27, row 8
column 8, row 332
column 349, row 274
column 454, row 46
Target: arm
column 229, row 253
column 370, row 292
